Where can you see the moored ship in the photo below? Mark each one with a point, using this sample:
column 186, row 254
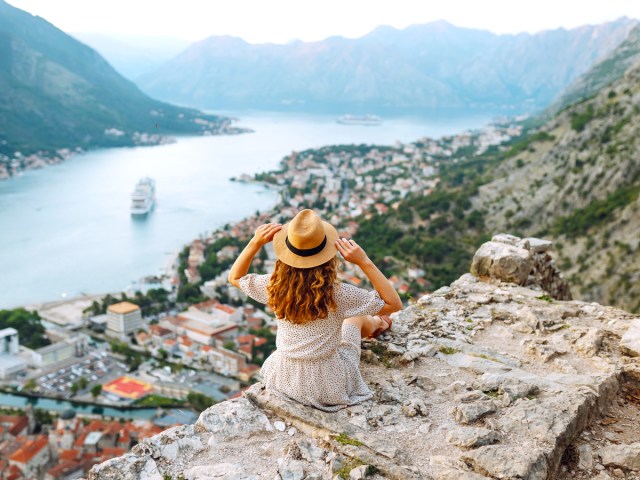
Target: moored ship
column 143, row 197
column 360, row 120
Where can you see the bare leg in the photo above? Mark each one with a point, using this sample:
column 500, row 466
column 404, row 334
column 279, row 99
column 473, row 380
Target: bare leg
column 366, row 323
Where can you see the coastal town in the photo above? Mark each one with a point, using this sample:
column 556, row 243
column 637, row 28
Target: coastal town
column 17, row 162
column 194, row 340
column 193, row 359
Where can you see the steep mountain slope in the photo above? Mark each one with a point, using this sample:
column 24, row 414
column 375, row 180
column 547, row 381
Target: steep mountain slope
column 422, row 66
column 56, row 92
column 580, row 183
column 603, row 73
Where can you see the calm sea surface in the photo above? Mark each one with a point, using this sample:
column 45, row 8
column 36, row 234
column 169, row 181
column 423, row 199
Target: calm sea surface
column 66, row 230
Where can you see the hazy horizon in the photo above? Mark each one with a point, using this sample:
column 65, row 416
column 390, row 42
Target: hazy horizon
column 283, row 21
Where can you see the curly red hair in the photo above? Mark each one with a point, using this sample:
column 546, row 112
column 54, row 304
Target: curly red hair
column 300, row 295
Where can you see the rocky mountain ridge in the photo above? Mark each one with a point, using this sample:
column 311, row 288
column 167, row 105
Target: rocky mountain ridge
column 485, row 378
column 603, row 73
column 435, row 65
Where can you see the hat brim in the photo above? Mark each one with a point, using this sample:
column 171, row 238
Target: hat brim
column 287, row 256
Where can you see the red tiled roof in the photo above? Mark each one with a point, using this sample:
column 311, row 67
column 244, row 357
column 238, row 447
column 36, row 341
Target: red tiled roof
column 352, row 279
column 159, row 331
column 128, row 387
column 124, row 438
column 69, row 455
column 80, row 439
column 30, row 450
column 112, row 452
column 14, row 473
column 96, row 426
column 245, row 339
column 225, row 308
column 149, row 431
column 64, row 469
column 16, row 423
column 205, row 304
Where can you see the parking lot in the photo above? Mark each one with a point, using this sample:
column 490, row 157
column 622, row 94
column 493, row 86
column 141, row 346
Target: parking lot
column 97, row 367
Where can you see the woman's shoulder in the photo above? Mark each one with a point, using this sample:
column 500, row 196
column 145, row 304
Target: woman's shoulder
column 345, row 288
column 347, row 291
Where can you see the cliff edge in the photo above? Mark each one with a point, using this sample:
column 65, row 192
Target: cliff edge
column 500, row 375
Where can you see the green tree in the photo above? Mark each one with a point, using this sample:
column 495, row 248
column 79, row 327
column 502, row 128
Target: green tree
column 200, row 401
column 30, row 385
column 96, row 390
column 74, row 388
column 30, row 329
column 230, row 345
column 82, row 383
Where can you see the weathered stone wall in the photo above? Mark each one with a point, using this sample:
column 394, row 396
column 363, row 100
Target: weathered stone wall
column 481, row 379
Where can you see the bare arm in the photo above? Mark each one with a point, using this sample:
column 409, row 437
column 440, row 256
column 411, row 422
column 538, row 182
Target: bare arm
column 264, row 234
column 354, row 253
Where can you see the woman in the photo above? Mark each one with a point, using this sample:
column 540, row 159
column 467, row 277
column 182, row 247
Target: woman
column 320, row 320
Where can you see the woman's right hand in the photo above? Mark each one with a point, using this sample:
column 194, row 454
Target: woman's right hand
column 264, row 233
column 352, row 252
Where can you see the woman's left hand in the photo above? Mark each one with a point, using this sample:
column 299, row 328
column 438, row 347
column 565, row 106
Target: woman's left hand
column 264, row 233
column 352, row 252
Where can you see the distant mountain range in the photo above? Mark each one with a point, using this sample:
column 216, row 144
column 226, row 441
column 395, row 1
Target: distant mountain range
column 435, row 65
column 603, row 73
column 56, row 92
column 133, row 55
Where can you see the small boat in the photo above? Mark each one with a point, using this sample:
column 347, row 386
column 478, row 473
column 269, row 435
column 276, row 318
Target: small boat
column 143, row 197
column 360, row 120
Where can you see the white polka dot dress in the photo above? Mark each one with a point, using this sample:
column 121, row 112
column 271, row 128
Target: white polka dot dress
column 317, row 363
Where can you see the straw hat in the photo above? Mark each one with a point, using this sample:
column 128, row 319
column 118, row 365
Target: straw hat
column 306, row 241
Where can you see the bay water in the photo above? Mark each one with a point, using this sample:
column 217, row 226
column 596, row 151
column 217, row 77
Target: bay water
column 66, row 230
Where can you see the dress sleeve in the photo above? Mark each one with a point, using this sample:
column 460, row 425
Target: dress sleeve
column 353, row 301
column 255, row 286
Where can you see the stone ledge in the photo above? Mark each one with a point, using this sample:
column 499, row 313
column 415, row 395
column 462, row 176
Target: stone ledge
column 509, row 376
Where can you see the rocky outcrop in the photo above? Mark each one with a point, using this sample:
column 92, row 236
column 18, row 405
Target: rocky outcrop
column 525, row 261
column 481, row 379
column 630, row 342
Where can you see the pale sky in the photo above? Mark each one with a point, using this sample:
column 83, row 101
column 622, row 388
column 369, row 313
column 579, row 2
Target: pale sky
column 279, row 21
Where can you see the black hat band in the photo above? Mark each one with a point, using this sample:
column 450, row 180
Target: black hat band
column 307, row 252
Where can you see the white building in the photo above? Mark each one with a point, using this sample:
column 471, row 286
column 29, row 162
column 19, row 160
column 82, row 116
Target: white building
column 32, row 457
column 123, row 318
column 10, row 363
column 219, row 315
column 198, row 331
column 9, row 343
column 225, row 361
column 72, row 346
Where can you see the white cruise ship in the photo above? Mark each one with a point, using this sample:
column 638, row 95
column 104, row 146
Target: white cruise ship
column 360, row 120
column 143, row 197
